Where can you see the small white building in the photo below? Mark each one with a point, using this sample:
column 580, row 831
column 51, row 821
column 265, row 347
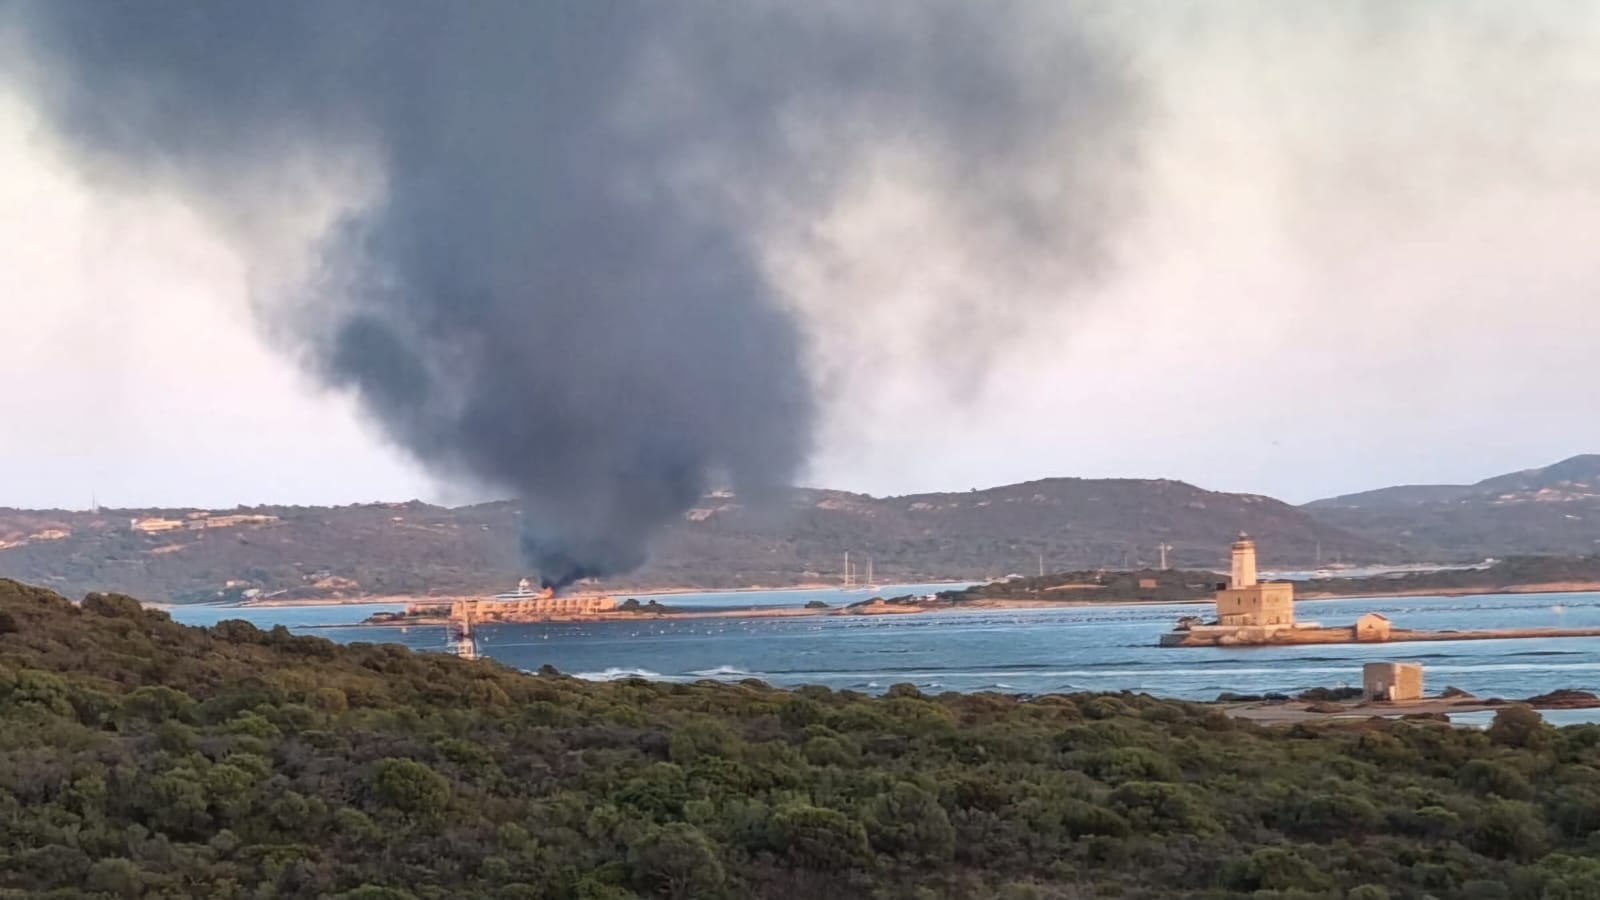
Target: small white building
column 1392, row 681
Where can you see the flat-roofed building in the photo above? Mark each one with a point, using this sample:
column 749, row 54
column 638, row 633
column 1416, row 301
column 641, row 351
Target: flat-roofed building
column 539, row 607
column 1373, row 627
column 1392, row 681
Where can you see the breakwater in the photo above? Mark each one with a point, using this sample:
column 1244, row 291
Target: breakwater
column 1286, row 637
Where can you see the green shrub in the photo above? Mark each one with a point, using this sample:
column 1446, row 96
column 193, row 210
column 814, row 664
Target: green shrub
column 1489, row 777
column 908, row 822
column 114, row 606
column 1276, row 869
column 677, row 862
column 1519, row 726
column 409, row 786
column 814, row 838
column 1130, row 764
column 1158, row 806
column 1509, row 829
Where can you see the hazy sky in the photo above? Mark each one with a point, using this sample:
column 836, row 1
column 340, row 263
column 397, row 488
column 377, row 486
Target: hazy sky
column 1364, row 249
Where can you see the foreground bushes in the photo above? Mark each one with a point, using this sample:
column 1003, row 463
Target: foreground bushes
column 139, row 758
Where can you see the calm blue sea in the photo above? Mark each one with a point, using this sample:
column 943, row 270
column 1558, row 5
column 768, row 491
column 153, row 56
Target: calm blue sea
column 1028, row 651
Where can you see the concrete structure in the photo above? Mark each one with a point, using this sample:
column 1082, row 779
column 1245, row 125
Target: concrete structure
column 1373, row 627
column 152, row 526
column 1248, row 603
column 1391, row 681
column 537, row 608
column 230, row 521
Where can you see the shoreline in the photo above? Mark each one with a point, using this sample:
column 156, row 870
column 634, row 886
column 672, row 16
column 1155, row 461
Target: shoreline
column 1555, row 587
column 1321, row 636
column 448, row 598
column 790, row 612
column 991, row 603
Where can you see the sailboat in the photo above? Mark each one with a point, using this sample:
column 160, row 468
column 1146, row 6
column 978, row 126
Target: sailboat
column 850, row 586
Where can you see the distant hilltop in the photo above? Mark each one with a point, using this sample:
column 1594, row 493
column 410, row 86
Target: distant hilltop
column 797, row 538
column 1549, row 510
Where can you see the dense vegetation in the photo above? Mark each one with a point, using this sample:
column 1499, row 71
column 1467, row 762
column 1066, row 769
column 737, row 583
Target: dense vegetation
column 140, row 758
column 1170, row 585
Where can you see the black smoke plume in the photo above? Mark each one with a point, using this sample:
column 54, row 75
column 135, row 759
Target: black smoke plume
column 561, row 292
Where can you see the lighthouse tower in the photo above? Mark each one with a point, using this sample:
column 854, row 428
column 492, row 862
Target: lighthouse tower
column 1247, row 602
column 1244, row 562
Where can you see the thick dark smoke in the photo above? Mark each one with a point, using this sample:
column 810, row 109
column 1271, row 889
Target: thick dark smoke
column 561, row 292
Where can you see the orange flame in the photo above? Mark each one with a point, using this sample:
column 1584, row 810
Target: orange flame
column 548, row 593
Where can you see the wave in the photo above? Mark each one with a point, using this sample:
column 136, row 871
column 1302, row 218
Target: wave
column 616, row 674
column 723, row 672
column 1548, row 653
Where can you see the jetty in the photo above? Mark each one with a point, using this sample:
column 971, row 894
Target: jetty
column 1316, row 634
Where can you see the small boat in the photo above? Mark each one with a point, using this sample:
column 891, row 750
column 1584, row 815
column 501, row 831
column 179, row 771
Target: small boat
column 524, row 591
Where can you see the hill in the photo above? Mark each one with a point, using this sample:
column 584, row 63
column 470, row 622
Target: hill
column 1549, row 510
column 146, row 759
column 1517, row 574
column 727, row 541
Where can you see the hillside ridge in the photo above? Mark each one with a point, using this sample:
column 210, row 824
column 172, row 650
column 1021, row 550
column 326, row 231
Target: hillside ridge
column 1552, row 509
column 797, row 537
column 1577, row 472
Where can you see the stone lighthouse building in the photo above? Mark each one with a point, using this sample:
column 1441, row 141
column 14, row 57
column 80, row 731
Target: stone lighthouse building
column 1246, row 601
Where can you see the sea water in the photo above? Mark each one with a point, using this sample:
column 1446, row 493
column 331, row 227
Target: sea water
column 1087, row 648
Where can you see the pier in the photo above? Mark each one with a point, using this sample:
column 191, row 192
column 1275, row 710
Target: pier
column 1203, row 636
